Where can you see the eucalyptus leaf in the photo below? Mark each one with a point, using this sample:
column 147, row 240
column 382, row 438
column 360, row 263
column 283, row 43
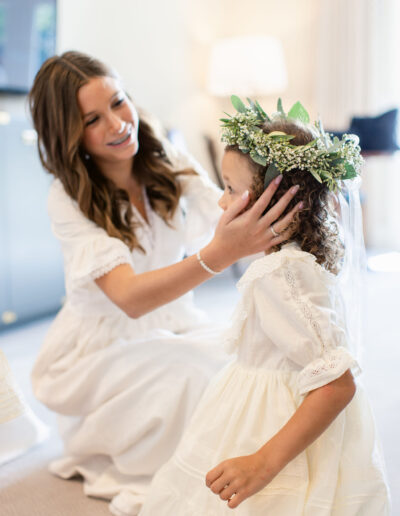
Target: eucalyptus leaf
column 252, row 105
column 333, row 148
column 314, row 173
column 261, row 112
column 258, row 159
column 350, row 171
column 298, row 112
column 338, row 161
column 238, row 104
column 325, row 136
column 271, row 173
column 309, row 144
column 280, row 135
column 325, row 174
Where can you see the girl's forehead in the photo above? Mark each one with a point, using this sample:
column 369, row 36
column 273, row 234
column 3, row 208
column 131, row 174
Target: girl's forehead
column 236, row 168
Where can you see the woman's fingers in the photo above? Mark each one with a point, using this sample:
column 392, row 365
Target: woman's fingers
column 236, row 207
column 265, row 198
column 282, row 237
column 283, row 223
column 276, row 211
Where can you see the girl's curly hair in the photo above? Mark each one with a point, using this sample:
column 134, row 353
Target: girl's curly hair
column 315, row 227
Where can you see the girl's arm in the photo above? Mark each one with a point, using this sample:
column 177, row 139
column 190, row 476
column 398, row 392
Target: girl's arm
column 235, row 237
column 237, row 479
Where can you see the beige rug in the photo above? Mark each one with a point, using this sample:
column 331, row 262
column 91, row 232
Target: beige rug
column 28, row 489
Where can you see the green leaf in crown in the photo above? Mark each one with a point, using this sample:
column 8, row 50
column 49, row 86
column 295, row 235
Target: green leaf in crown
column 329, row 160
column 238, row 104
column 298, row 112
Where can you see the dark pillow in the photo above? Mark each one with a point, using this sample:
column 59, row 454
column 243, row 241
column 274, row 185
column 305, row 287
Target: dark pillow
column 377, row 133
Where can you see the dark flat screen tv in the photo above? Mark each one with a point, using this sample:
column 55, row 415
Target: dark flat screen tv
column 27, row 39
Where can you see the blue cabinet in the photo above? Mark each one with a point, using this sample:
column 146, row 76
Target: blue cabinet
column 31, row 267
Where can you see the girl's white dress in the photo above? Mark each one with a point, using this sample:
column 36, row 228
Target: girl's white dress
column 289, row 340
column 125, row 388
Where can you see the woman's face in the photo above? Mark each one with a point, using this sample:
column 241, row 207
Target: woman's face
column 237, row 176
column 110, row 121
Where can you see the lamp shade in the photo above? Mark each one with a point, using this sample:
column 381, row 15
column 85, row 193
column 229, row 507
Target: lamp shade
column 247, row 66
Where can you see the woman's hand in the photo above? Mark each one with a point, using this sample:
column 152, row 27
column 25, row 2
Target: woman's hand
column 237, row 479
column 242, row 234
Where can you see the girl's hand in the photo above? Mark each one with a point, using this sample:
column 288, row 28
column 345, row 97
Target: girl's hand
column 243, row 234
column 237, row 479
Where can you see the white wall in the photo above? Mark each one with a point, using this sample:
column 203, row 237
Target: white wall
column 161, row 49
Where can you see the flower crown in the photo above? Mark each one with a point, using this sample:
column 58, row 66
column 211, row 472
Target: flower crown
column 329, row 159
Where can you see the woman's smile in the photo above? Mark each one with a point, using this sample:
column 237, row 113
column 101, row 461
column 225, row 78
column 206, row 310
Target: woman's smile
column 125, row 139
column 110, row 120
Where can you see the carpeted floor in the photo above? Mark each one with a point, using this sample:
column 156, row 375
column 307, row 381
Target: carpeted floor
column 27, row 489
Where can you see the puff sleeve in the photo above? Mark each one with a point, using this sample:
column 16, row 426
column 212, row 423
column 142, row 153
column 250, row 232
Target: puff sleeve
column 295, row 306
column 199, row 202
column 89, row 252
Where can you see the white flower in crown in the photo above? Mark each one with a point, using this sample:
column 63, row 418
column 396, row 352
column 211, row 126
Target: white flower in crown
column 328, row 159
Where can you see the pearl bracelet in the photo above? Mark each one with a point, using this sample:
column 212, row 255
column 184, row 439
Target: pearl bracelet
column 205, row 266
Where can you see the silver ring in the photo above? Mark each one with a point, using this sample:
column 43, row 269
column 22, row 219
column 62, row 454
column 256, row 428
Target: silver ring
column 273, row 231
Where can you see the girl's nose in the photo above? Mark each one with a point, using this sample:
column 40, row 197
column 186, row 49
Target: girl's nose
column 222, row 203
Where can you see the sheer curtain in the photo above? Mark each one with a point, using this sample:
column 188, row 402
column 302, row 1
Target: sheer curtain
column 358, row 68
column 358, row 73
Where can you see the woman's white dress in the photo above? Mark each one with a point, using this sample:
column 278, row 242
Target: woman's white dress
column 20, row 429
column 125, row 388
column 289, row 340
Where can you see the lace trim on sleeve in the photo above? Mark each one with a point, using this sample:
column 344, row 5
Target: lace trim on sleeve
column 326, row 369
column 259, row 268
column 104, row 269
column 303, row 306
column 269, row 263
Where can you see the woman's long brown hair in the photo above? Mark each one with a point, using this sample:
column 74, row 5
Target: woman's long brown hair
column 58, row 122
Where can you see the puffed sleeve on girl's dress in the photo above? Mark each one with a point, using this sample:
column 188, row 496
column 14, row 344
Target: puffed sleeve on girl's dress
column 295, row 307
column 199, row 202
column 89, row 252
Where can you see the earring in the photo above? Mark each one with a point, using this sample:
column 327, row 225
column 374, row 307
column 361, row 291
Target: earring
column 87, row 156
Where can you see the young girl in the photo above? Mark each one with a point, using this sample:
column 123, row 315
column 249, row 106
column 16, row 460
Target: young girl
column 128, row 356
column 281, row 430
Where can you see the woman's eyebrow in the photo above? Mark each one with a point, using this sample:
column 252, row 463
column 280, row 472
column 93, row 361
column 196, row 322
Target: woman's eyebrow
column 112, row 96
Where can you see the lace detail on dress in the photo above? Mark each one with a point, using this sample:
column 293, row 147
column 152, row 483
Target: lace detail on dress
column 259, row 268
column 273, row 261
column 328, row 367
column 104, row 269
column 303, row 307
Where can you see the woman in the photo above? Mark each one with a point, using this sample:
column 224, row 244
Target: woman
column 128, row 356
